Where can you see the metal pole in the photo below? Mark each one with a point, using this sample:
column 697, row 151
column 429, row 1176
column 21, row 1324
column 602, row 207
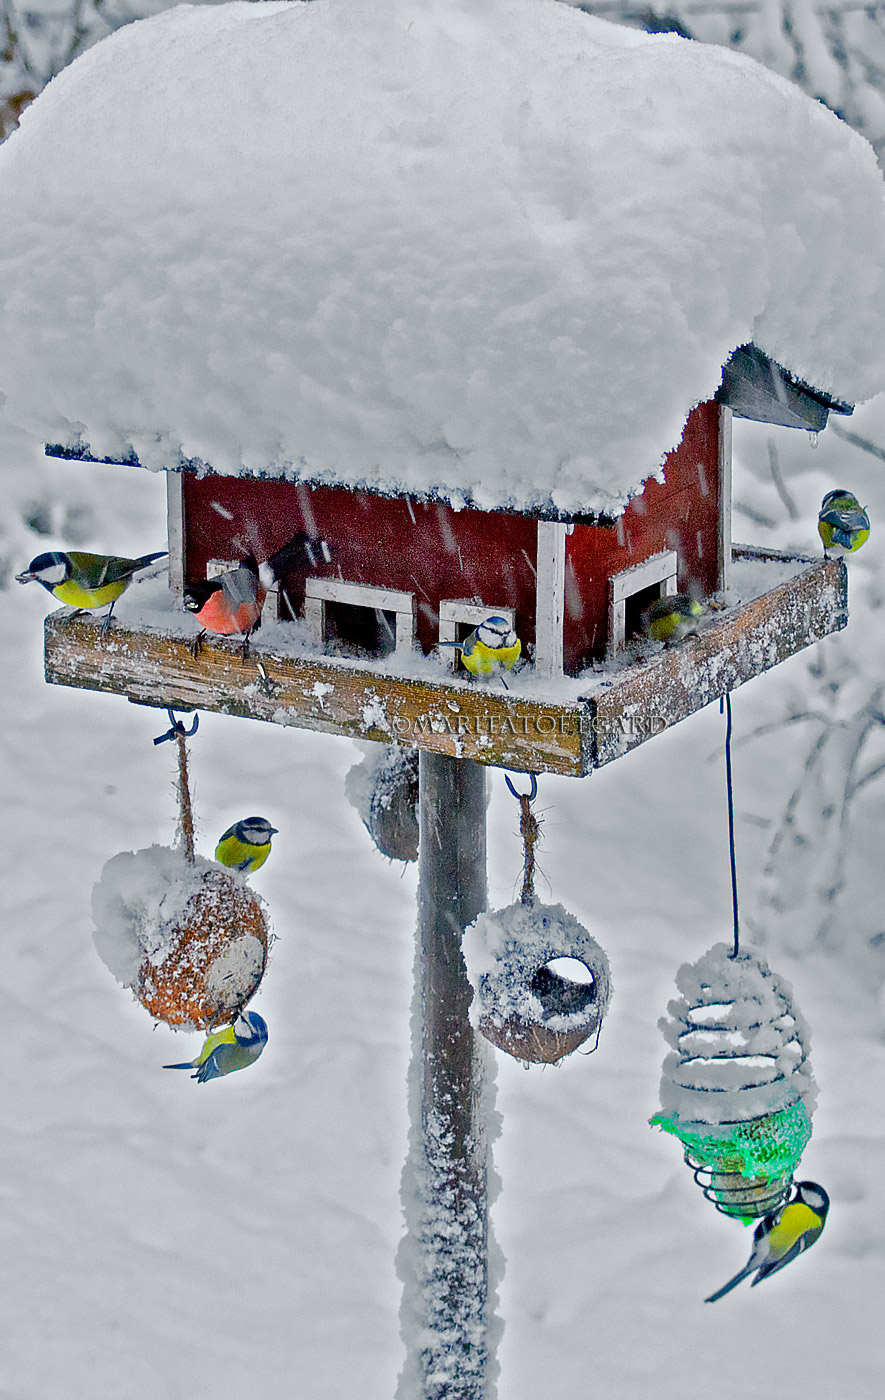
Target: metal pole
column 447, row 1310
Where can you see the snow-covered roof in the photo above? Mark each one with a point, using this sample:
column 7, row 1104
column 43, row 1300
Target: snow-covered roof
column 487, row 248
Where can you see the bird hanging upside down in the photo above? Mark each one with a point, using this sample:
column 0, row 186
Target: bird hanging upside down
column 782, row 1236
column 236, row 1047
column 86, row 581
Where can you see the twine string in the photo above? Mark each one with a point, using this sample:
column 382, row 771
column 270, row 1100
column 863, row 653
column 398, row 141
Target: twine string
column 530, row 831
column 178, row 732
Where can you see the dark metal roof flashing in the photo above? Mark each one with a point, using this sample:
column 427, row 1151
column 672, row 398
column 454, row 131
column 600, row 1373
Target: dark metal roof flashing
column 755, row 386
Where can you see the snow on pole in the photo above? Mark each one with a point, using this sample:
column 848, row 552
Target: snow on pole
column 447, row 1316
column 737, row 1088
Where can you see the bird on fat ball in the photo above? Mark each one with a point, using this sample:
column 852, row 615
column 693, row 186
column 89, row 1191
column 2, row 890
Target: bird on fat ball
column 236, row 1047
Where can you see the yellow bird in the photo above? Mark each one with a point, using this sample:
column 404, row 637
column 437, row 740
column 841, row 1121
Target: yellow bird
column 245, row 845
column 782, row 1236
column 236, row 1047
column 672, row 617
column 85, row 581
column 842, row 524
column 491, row 648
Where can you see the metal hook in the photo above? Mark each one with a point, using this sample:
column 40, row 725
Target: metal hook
column 177, row 728
column 267, row 685
column 518, row 795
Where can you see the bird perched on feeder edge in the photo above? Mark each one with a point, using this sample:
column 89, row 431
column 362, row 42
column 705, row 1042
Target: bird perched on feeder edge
column 86, row 581
column 782, row 1236
column 842, row 524
column 672, row 617
column 490, row 648
column 245, row 845
column 236, row 1047
column 231, row 604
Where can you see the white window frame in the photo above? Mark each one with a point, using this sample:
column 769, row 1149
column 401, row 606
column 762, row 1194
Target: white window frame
column 660, row 568
column 318, row 592
column 464, row 612
column 725, row 457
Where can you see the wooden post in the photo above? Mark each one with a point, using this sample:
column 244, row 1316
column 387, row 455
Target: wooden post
column 446, row 1315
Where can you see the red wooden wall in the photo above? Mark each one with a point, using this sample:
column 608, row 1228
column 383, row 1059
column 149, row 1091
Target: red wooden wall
column 436, row 552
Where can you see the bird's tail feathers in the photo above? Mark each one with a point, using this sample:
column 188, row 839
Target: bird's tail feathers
column 187, row 1064
column 732, row 1283
column 146, row 559
column 299, row 550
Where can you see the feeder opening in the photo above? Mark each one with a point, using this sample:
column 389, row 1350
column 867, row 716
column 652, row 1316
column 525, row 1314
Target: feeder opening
column 564, row 986
column 635, row 605
column 369, row 631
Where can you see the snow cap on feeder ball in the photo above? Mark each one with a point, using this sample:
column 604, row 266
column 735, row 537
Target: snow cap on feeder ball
column 737, row 1088
column 526, row 1002
column 189, row 939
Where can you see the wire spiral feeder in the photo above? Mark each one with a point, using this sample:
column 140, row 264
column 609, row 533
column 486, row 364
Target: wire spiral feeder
column 737, row 1088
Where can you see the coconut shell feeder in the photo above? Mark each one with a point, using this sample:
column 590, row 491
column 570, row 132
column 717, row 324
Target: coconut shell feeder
column 189, row 937
column 737, row 1088
column 541, row 983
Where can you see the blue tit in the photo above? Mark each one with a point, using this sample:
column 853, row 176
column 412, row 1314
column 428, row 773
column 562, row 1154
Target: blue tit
column 85, row 581
column 490, row 648
column 246, row 845
column 672, row 617
column 235, row 1047
column 843, row 524
column 783, row 1235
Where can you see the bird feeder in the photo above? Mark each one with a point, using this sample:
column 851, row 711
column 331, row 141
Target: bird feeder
column 188, row 936
column 542, row 983
column 439, row 306
column 383, row 787
column 190, row 939
column 737, row 1088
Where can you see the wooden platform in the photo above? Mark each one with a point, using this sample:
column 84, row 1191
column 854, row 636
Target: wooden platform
column 536, row 732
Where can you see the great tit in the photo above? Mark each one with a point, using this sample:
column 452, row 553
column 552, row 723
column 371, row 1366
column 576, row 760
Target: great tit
column 231, row 604
column 672, row 617
column 246, row 845
column 783, row 1235
column 842, row 524
column 490, row 648
column 235, row 1047
column 85, row 581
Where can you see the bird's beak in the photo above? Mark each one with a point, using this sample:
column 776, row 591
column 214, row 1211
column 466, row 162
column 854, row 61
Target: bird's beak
column 24, row 578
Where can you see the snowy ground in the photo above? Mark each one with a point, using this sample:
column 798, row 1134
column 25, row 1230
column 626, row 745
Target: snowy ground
column 167, row 1240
